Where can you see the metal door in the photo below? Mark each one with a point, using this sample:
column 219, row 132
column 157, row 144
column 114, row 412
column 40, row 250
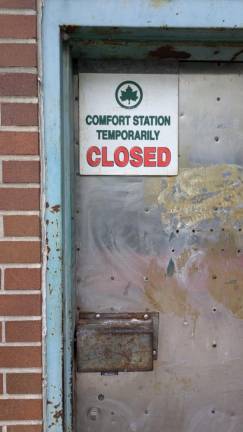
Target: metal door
column 172, row 245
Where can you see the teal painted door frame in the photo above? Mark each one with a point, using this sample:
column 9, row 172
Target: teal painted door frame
column 150, row 15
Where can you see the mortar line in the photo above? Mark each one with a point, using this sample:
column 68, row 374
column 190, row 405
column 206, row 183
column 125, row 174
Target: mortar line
column 19, row 186
column 19, row 292
column 4, row 383
column 19, row 69
column 3, row 333
column 16, row 11
column 19, row 128
column 19, row 213
column 21, row 370
column 19, row 99
column 20, row 423
column 20, row 318
column 22, row 265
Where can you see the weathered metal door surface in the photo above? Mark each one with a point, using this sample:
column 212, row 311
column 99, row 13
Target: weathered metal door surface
column 171, row 245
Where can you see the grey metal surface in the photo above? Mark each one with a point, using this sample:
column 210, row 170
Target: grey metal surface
column 172, row 245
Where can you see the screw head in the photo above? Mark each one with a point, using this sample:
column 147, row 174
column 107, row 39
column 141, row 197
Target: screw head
column 97, row 315
column 154, row 352
column 93, row 413
column 146, row 316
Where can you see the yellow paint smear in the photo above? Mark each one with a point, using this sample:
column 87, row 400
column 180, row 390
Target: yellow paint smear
column 225, row 283
column 152, row 188
column 165, row 294
column 204, row 193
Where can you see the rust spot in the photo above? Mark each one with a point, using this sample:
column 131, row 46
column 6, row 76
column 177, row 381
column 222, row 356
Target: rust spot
column 106, row 30
column 55, row 208
column 114, row 42
column 168, row 51
column 47, row 204
column 58, row 414
column 158, row 3
column 70, row 28
column 48, row 250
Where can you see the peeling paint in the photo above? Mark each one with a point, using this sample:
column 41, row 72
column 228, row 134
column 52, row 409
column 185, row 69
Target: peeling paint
column 55, row 208
column 58, row 414
column 203, row 194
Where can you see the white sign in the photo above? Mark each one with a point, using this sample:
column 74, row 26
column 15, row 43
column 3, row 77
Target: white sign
column 128, row 124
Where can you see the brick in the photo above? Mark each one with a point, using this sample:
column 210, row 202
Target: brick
column 18, row 4
column 21, row 172
column 21, row 226
column 20, row 357
column 18, row 26
column 25, row 383
column 23, row 331
column 19, row 114
column 20, row 252
column 24, row 278
column 26, row 428
column 18, row 84
column 19, row 199
column 19, row 143
column 20, row 305
column 18, row 55
column 1, row 384
column 20, row 409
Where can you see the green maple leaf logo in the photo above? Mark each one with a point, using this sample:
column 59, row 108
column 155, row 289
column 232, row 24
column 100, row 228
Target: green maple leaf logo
column 129, row 95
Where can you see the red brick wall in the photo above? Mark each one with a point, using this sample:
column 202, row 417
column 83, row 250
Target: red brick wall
column 20, row 248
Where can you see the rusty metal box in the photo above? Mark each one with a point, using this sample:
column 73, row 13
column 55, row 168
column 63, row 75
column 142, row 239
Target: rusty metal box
column 116, row 342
